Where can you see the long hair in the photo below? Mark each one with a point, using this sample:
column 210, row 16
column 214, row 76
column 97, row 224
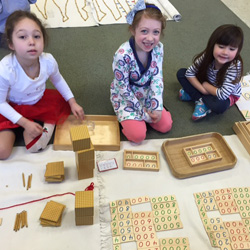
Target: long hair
column 227, row 35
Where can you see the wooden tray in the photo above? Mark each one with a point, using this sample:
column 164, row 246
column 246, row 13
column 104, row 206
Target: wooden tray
column 105, row 137
column 242, row 130
column 179, row 165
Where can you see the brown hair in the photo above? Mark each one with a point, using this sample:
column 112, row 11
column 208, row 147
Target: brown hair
column 150, row 12
column 227, row 34
column 16, row 17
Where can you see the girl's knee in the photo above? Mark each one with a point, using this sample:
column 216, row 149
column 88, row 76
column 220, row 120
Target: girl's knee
column 166, row 126
column 7, row 139
column 135, row 131
column 5, row 153
column 166, row 122
column 181, row 73
column 135, row 136
column 139, row 137
column 217, row 106
column 218, row 109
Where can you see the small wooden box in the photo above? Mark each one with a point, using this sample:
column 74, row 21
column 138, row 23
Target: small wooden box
column 141, row 160
column 200, row 154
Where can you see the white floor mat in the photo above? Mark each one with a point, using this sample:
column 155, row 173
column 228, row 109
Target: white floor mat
column 109, row 186
column 240, row 8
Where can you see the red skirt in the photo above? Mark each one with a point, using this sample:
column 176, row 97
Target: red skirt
column 52, row 108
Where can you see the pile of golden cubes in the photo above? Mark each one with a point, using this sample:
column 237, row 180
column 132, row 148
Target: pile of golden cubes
column 84, row 151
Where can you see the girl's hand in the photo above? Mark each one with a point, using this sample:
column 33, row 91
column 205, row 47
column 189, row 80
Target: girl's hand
column 204, row 92
column 33, row 129
column 76, row 109
column 155, row 115
column 198, row 85
column 209, row 88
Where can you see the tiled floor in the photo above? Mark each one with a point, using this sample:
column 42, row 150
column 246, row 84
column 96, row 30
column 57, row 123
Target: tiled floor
column 241, row 8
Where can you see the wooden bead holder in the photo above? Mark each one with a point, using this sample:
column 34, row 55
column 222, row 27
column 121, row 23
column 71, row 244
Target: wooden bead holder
column 141, row 160
column 200, row 154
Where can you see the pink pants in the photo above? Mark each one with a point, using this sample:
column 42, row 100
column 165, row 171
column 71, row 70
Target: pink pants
column 233, row 99
column 135, row 131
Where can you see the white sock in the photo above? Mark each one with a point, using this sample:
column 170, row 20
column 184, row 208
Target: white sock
column 47, row 133
column 35, row 147
column 42, row 141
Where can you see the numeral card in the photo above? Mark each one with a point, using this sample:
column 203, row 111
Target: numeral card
column 106, row 165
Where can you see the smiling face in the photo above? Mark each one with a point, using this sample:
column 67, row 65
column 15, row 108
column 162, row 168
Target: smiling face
column 147, row 34
column 27, row 40
column 223, row 54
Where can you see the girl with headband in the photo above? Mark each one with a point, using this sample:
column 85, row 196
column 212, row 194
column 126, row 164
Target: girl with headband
column 137, row 88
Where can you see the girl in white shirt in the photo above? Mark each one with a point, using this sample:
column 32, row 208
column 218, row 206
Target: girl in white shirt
column 24, row 98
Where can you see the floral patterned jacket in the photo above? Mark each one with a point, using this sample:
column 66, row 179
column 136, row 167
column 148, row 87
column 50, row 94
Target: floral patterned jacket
column 135, row 87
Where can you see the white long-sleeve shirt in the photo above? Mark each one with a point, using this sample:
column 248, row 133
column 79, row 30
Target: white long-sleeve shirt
column 17, row 87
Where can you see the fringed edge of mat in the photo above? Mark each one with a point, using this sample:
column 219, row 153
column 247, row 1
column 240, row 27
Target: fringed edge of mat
column 104, row 213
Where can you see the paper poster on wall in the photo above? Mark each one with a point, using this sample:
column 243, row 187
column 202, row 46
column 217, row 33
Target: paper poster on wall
column 85, row 13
